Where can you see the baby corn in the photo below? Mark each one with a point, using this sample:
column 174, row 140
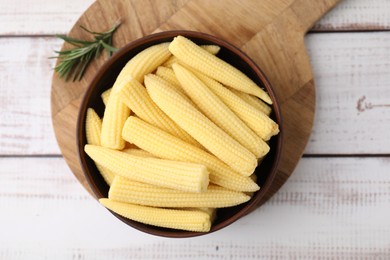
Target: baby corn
column 125, row 190
column 253, row 101
column 116, row 112
column 138, row 152
column 212, row 212
column 145, row 62
column 168, row 74
column 259, row 122
column 114, row 118
column 135, row 96
column 167, row 146
column 200, row 127
column 190, row 220
column 106, row 95
column 196, row 57
column 213, row 49
column 166, row 173
column 93, row 126
column 213, row 107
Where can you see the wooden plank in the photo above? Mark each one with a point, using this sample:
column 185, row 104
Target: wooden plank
column 25, row 125
column 355, row 15
column 329, row 208
column 39, row 17
column 353, row 97
column 350, row 70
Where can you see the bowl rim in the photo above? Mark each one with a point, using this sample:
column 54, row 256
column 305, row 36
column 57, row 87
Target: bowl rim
column 254, row 202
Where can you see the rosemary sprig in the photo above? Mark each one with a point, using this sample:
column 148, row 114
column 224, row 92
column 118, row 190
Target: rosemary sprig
column 73, row 62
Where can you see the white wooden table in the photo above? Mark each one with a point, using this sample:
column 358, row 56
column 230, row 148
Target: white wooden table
column 335, row 205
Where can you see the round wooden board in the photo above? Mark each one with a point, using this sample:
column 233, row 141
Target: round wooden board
column 270, row 32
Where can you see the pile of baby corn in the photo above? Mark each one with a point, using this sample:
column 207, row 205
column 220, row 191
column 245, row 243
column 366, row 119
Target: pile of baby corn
column 181, row 136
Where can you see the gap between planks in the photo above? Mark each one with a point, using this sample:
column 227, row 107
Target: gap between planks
column 356, row 155
column 346, row 30
column 308, row 33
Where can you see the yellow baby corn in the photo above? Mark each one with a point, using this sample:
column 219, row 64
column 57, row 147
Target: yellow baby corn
column 212, row 212
column 93, row 126
column 114, row 118
column 145, row 62
column 167, row 146
column 170, row 61
column 254, row 178
column 166, row 173
column 200, row 127
column 190, row 220
column 259, row 122
column 196, row 57
column 213, row 49
column 106, row 95
column 125, row 190
column 138, row 152
column 135, row 96
column 116, row 112
column 254, row 101
column 168, row 74
column 107, row 175
column 213, row 107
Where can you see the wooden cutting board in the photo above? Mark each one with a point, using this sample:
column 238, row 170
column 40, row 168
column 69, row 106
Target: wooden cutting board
column 271, row 32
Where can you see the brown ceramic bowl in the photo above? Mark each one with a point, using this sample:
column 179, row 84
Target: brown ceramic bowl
column 105, row 79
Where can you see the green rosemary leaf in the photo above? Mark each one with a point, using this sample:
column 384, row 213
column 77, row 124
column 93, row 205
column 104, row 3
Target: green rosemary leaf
column 109, row 42
column 99, row 49
column 74, row 62
column 85, row 63
column 72, row 41
column 108, row 47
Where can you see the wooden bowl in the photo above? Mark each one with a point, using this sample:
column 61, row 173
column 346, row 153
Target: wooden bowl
column 105, row 78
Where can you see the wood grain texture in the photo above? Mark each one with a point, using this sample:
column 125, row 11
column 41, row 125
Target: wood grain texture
column 357, row 15
column 26, row 71
column 281, row 26
column 330, row 207
column 39, row 17
column 344, row 73
column 351, row 107
column 24, row 17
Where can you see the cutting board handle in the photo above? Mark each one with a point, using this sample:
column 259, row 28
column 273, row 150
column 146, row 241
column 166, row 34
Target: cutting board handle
column 309, row 11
